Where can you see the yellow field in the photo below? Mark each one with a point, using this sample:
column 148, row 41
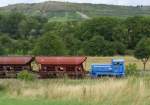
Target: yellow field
column 106, row 91
column 128, row 60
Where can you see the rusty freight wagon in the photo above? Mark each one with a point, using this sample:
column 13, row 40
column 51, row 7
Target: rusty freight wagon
column 10, row 66
column 61, row 66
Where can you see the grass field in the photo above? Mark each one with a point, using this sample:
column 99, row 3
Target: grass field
column 104, row 91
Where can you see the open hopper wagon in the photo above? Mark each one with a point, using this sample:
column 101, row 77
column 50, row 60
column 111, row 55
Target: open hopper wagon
column 11, row 65
column 61, row 66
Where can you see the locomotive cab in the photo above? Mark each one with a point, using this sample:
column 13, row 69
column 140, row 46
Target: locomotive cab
column 118, row 67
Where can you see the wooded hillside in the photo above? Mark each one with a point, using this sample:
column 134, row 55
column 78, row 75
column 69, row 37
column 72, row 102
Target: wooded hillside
column 61, row 11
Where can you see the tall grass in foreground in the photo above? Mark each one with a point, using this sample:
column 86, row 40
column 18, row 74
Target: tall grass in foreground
column 108, row 91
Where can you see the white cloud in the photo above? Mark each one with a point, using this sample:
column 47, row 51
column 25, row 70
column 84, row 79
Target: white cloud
column 115, row 2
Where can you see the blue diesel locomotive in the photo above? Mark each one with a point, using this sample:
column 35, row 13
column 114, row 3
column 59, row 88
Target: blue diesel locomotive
column 116, row 68
column 57, row 67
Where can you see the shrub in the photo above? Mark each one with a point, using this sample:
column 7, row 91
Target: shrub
column 2, row 87
column 25, row 75
column 131, row 70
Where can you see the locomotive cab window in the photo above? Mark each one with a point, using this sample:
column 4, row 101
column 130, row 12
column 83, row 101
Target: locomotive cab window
column 117, row 63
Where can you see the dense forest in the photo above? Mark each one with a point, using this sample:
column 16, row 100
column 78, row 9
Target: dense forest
column 102, row 36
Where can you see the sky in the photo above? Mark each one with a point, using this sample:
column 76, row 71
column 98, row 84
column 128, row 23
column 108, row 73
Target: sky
column 115, row 2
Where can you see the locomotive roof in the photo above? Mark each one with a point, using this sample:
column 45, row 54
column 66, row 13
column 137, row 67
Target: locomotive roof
column 16, row 60
column 60, row 60
column 118, row 60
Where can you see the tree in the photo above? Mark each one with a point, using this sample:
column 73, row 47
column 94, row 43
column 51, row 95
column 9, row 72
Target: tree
column 120, row 34
column 94, row 46
column 119, row 47
column 27, row 26
column 6, row 43
column 10, row 23
column 22, row 47
column 30, row 26
column 72, row 44
column 102, row 26
column 2, row 51
column 142, row 51
column 134, row 27
column 109, row 49
column 49, row 44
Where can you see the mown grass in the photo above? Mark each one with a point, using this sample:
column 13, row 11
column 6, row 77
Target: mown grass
column 39, row 102
column 106, row 91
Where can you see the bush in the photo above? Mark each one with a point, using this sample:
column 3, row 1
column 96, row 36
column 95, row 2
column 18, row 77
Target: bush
column 131, row 70
column 25, row 75
column 2, row 87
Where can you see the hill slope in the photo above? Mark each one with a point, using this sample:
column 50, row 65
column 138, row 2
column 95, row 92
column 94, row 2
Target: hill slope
column 75, row 11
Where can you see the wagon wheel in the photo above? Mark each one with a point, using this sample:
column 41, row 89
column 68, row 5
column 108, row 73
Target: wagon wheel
column 78, row 72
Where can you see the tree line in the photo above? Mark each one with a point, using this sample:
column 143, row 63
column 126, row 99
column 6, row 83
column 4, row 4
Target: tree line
column 102, row 36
